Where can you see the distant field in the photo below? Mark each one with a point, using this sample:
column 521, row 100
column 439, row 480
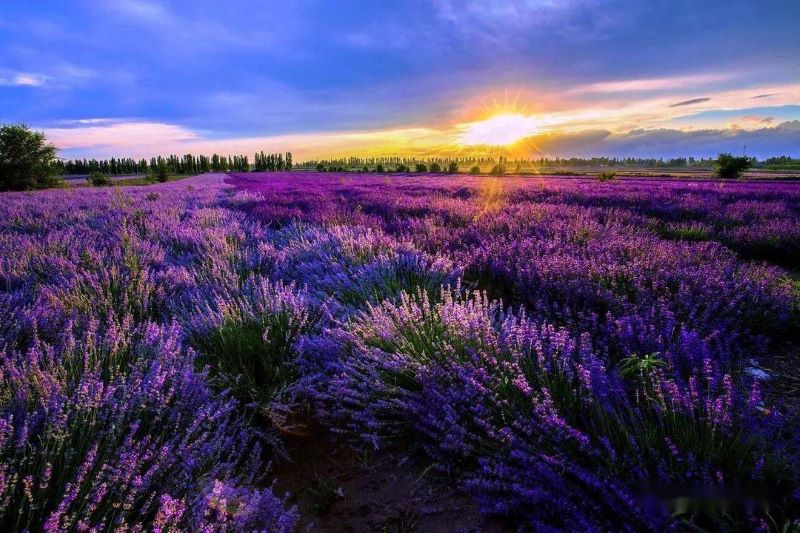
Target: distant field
column 676, row 172
column 131, row 179
column 495, row 353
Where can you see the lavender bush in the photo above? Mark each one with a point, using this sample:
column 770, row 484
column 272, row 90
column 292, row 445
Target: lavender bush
column 574, row 354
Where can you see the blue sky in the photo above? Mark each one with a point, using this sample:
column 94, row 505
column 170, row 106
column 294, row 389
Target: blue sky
column 126, row 77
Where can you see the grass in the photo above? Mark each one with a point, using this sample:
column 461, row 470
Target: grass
column 126, row 182
column 144, row 180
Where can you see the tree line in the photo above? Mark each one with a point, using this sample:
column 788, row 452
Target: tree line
column 468, row 161
column 174, row 164
column 272, row 162
column 28, row 161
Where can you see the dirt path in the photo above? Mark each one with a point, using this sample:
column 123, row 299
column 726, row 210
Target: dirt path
column 338, row 489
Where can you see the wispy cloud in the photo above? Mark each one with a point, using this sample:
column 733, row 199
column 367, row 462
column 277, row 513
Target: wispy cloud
column 757, row 119
column 23, row 79
column 144, row 11
column 764, row 95
column 691, row 102
column 652, row 84
column 120, row 136
column 105, row 138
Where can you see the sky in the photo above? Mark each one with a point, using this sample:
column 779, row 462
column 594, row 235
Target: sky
column 532, row 78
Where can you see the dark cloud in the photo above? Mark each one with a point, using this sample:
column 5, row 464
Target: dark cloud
column 782, row 139
column 691, row 102
column 764, row 95
column 758, row 119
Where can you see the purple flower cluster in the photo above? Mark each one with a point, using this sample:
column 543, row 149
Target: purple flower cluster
column 646, row 291
column 105, row 420
column 560, row 347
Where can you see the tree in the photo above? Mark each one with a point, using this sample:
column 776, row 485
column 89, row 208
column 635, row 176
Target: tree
column 320, row 167
column 498, row 170
column 730, row 167
column 475, row 170
column 27, row 160
column 435, row 167
column 420, row 167
column 161, row 170
column 452, row 168
column 98, row 179
column 379, row 168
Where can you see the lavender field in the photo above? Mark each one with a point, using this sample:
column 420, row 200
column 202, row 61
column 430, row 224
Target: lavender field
column 567, row 354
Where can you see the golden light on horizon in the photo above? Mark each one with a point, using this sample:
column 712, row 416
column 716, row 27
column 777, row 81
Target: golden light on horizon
column 499, row 130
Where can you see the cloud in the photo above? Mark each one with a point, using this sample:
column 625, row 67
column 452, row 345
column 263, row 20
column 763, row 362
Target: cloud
column 23, row 79
column 387, row 37
column 143, row 11
column 110, row 136
column 107, row 138
column 758, row 119
column 763, row 142
column 652, row 84
column 491, row 26
column 517, row 14
column 764, row 95
column 691, row 102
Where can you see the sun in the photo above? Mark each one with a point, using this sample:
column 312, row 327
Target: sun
column 499, row 130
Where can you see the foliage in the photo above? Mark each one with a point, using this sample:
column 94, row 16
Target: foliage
column 452, row 168
column 27, row 160
column 420, row 167
column 498, row 170
column 98, row 179
column 731, row 167
column 249, row 339
column 475, row 170
column 606, row 176
column 144, row 331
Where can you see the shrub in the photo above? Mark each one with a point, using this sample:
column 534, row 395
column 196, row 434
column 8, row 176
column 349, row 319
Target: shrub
column 98, row 179
column 499, row 170
column 249, row 339
column 731, row 167
column 379, row 168
column 452, row 168
column 531, row 415
column 320, row 167
column 435, row 167
column 606, row 176
column 475, row 170
column 26, row 159
column 401, row 168
column 119, row 429
column 420, row 167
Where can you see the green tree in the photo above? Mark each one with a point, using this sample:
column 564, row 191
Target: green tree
column 435, row 167
column 452, row 168
column 27, row 160
column 161, row 170
column 729, row 166
column 98, row 179
column 379, row 168
column 475, row 170
column 420, row 167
